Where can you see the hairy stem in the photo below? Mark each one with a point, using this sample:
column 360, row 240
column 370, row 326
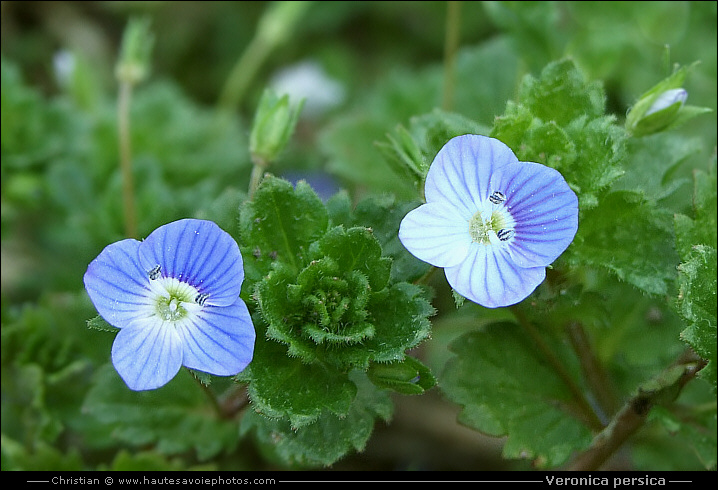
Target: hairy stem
column 125, row 151
column 665, row 387
column 586, row 410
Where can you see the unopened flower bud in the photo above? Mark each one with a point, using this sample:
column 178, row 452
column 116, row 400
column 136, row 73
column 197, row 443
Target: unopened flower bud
column 661, row 113
column 273, row 125
column 667, row 100
column 133, row 65
column 662, row 107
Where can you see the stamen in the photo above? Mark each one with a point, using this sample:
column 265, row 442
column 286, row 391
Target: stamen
column 155, row 272
column 201, row 298
column 505, row 234
column 497, row 197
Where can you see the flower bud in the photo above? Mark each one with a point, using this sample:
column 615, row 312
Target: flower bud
column 408, row 377
column 662, row 107
column 667, row 101
column 273, row 125
column 133, row 65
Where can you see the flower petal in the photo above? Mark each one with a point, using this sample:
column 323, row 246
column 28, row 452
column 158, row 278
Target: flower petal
column 199, row 253
column 459, row 174
column 436, row 233
column 545, row 210
column 219, row 340
column 117, row 285
column 489, row 277
column 147, row 354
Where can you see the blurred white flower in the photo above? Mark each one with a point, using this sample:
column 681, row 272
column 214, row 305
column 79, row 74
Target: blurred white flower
column 308, row 80
column 64, row 63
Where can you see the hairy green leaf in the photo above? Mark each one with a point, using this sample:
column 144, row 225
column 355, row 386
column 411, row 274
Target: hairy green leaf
column 285, row 387
column 506, row 388
column 280, row 224
column 327, row 439
column 608, row 235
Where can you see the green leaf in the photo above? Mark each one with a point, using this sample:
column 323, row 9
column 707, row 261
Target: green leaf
column 411, row 151
column 99, row 323
column 285, row 387
column 533, row 29
column 326, row 440
column 629, row 237
column 150, row 461
column 602, row 147
column 279, row 225
column 506, row 388
column 652, row 166
column 383, row 215
column 701, row 229
column 697, row 305
column 34, row 421
column 680, row 436
column 356, row 249
column 559, row 122
column 173, row 419
column 43, row 457
column 696, row 243
column 561, row 94
column 337, row 310
column 400, row 315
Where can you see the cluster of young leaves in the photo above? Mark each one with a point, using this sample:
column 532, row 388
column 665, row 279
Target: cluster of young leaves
column 611, row 285
column 332, row 327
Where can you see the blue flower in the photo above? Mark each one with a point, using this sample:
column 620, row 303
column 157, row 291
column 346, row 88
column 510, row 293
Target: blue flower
column 175, row 299
column 493, row 223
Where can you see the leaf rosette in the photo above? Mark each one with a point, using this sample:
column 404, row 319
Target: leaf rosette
column 329, row 312
column 334, row 311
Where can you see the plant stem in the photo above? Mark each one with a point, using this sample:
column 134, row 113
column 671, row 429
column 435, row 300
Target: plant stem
column 274, row 28
column 257, row 173
column 451, row 44
column 234, row 400
column 125, row 150
column 242, row 74
column 209, row 393
column 593, row 371
column 586, row 410
column 635, row 412
column 423, row 280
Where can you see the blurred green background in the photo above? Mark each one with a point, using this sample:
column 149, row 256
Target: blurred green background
column 370, row 65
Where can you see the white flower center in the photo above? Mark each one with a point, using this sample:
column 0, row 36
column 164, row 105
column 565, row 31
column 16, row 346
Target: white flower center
column 492, row 223
column 172, row 300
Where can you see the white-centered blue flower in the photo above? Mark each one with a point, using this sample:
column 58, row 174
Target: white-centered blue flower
column 175, row 299
column 493, row 223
